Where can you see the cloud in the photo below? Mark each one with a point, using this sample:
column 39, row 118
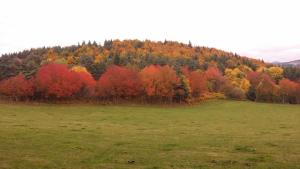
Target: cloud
column 231, row 25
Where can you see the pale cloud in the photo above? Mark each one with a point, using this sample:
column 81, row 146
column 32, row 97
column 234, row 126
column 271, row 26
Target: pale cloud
column 249, row 27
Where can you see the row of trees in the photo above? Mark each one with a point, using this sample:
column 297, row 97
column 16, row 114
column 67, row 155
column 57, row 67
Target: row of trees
column 96, row 57
column 152, row 83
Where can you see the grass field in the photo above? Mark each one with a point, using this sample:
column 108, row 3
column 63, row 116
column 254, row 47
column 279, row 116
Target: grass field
column 215, row 134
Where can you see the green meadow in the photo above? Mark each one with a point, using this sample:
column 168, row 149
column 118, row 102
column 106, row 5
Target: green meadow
column 214, row 134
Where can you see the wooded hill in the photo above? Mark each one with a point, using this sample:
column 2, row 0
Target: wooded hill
column 146, row 70
column 133, row 53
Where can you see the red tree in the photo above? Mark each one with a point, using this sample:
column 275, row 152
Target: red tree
column 197, row 81
column 267, row 90
column 159, row 81
column 119, row 81
column 289, row 91
column 149, row 77
column 214, row 78
column 87, row 84
column 254, row 78
column 17, row 87
column 297, row 93
column 56, row 80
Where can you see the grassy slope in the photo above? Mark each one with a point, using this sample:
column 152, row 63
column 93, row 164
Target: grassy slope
column 216, row 134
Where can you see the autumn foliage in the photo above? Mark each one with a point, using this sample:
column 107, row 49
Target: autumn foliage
column 119, row 82
column 289, row 91
column 267, row 90
column 197, row 82
column 159, row 81
column 57, row 81
column 17, row 87
column 86, row 80
column 144, row 71
column 215, row 79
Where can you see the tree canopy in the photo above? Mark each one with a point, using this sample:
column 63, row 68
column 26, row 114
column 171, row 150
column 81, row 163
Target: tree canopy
column 143, row 70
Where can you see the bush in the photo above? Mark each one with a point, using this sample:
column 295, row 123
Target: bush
column 57, row 81
column 119, row 82
column 234, row 93
column 267, row 90
column 17, row 87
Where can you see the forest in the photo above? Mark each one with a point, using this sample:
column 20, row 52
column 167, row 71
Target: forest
column 143, row 71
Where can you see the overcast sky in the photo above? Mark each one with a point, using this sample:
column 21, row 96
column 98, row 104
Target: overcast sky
column 256, row 28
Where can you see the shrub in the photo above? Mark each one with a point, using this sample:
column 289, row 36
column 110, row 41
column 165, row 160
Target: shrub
column 267, row 90
column 17, row 87
column 57, row 81
column 159, row 81
column 234, row 92
column 289, row 91
column 119, row 82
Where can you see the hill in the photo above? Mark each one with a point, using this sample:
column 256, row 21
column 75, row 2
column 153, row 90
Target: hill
column 144, row 71
column 295, row 63
column 96, row 57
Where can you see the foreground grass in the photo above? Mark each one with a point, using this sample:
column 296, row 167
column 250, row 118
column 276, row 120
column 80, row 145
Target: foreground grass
column 216, row 134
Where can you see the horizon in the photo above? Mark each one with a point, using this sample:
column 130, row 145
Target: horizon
column 255, row 29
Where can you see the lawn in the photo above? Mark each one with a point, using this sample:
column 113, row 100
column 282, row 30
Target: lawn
column 214, row 134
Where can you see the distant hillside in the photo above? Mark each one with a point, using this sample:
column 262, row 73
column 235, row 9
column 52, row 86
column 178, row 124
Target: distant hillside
column 96, row 57
column 291, row 63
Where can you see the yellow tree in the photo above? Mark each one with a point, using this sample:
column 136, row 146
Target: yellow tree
column 70, row 60
column 244, row 84
column 275, row 73
column 261, row 69
column 51, row 55
column 237, row 79
column 245, row 69
column 79, row 69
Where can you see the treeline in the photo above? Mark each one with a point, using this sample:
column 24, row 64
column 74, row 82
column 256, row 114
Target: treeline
column 144, row 71
column 96, row 57
column 154, row 83
column 132, row 53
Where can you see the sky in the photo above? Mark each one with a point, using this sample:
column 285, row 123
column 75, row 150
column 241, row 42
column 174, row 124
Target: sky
column 263, row 29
